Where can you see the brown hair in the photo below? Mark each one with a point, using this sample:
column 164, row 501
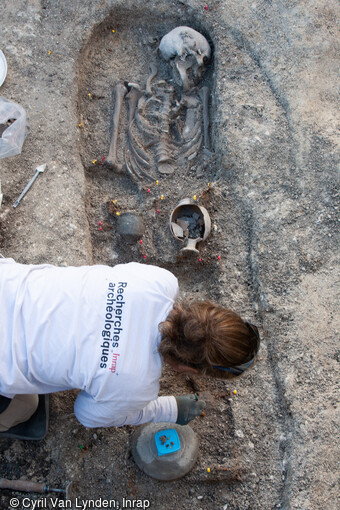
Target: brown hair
column 204, row 335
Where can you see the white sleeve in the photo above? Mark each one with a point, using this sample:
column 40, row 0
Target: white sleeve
column 91, row 413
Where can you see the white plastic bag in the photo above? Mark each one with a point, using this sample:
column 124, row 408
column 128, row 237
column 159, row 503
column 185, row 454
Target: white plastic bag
column 13, row 137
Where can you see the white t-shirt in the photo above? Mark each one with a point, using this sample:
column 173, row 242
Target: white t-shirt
column 94, row 328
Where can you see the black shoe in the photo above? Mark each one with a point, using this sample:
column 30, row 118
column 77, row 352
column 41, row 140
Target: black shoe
column 33, row 429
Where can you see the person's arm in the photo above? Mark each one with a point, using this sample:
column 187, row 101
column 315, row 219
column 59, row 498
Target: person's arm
column 91, row 413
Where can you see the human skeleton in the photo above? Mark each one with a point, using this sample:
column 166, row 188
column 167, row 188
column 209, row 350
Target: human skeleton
column 164, row 132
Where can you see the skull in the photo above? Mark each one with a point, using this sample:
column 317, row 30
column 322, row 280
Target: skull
column 189, row 51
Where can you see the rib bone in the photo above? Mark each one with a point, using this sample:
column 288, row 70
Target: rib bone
column 137, row 154
column 153, row 73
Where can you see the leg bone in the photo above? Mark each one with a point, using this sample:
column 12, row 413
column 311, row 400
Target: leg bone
column 204, row 93
column 119, row 92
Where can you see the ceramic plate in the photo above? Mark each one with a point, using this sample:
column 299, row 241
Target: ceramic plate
column 3, row 68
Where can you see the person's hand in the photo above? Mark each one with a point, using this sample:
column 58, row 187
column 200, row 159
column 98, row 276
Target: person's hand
column 188, row 408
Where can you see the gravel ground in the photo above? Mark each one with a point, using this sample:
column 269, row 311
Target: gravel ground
column 272, row 253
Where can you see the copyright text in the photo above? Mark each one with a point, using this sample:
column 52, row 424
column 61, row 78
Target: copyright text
column 79, row 504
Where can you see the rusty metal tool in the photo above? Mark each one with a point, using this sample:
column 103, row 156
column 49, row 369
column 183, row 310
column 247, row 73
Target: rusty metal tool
column 26, row 486
column 38, row 171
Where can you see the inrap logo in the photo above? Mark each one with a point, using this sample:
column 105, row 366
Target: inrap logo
column 114, row 363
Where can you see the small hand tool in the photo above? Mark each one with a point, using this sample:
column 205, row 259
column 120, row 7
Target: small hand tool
column 38, row 171
column 27, row 486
